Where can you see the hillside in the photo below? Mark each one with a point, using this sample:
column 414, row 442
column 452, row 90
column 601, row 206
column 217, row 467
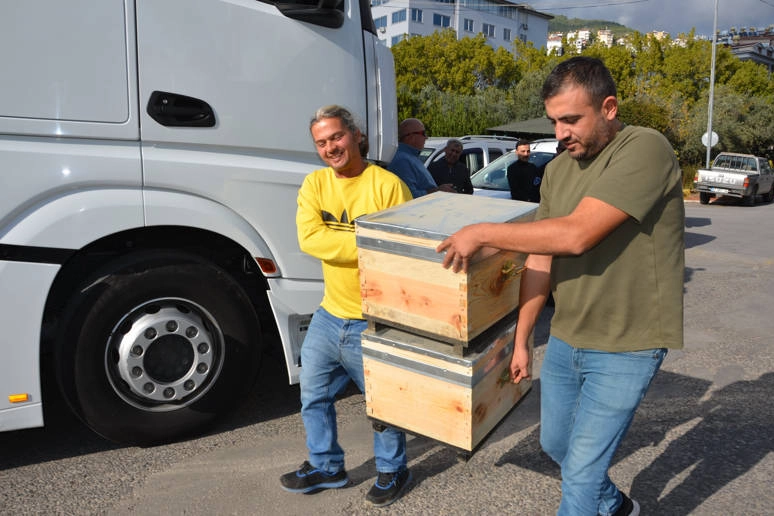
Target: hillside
column 564, row 24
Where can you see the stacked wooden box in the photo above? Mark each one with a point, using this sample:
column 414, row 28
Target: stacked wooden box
column 437, row 352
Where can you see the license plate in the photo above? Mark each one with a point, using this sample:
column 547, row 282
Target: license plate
column 719, row 190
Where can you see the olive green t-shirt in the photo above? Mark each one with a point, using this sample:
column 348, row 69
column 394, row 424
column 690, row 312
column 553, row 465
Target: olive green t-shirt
column 626, row 293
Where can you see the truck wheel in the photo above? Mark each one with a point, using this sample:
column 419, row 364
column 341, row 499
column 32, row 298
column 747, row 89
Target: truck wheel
column 704, row 197
column 769, row 195
column 748, row 200
column 157, row 347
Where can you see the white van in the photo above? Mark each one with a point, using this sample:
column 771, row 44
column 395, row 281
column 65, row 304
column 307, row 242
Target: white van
column 477, row 150
column 150, row 157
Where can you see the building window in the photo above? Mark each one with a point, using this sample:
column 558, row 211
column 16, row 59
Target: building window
column 380, row 22
column 488, row 29
column 416, row 15
column 507, row 34
column 468, row 25
column 441, row 20
column 397, row 39
column 399, row 16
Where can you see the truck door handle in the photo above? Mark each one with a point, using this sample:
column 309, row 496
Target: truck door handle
column 175, row 110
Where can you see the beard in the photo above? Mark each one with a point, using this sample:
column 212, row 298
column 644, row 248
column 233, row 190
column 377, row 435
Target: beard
column 588, row 147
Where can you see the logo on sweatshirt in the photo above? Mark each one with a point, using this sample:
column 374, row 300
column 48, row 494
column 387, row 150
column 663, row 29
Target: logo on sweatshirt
column 342, row 224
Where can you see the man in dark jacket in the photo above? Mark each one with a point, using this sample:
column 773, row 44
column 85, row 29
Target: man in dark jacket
column 451, row 170
column 524, row 177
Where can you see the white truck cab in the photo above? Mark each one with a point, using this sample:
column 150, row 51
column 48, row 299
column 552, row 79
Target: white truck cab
column 150, row 157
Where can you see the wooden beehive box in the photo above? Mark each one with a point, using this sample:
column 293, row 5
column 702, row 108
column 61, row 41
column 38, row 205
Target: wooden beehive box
column 432, row 389
column 403, row 284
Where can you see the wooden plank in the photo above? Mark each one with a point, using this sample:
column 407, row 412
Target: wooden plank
column 418, row 403
column 441, row 398
column 418, row 294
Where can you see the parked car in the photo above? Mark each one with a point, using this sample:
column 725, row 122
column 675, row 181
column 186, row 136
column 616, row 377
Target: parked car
column 492, row 180
column 547, row 146
column 736, row 175
column 477, row 150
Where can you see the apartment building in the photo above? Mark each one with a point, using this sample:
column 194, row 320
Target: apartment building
column 500, row 21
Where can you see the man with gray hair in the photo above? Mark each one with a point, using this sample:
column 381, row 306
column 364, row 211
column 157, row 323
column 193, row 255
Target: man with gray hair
column 450, row 170
column 329, row 201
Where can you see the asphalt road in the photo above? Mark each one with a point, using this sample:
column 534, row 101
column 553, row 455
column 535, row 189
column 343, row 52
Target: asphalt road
column 700, row 444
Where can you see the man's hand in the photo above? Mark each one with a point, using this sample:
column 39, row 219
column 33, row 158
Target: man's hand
column 460, row 247
column 447, row 187
column 520, row 364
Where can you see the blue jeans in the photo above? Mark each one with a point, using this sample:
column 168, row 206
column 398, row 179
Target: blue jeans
column 587, row 402
column 331, row 355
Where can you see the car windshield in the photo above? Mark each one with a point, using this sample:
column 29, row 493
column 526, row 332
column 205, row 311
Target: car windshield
column 494, row 176
column 539, row 159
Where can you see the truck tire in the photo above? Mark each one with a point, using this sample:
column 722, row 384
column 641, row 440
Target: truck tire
column 769, row 196
column 704, row 197
column 748, row 200
column 156, row 347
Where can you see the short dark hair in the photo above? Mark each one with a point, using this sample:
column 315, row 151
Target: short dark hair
column 589, row 73
column 523, row 142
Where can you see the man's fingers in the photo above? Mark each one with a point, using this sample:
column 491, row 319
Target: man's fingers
column 519, row 375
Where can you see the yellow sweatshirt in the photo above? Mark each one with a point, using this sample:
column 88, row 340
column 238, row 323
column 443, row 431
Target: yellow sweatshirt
column 325, row 221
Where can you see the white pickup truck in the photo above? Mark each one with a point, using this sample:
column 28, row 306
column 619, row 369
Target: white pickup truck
column 736, row 175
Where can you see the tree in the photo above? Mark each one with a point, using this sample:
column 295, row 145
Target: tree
column 464, row 86
column 462, row 66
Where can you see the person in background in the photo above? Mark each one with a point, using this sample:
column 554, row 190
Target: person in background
column 524, row 177
column 329, row 201
column 406, row 163
column 450, row 170
column 608, row 241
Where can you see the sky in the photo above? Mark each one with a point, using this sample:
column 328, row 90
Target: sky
column 673, row 16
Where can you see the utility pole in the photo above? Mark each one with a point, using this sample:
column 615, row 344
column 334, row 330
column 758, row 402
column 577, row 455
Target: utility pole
column 712, row 84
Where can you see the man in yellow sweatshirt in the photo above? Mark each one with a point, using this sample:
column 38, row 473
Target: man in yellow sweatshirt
column 329, row 201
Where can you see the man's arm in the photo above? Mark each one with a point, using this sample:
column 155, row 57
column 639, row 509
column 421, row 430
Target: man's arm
column 533, row 293
column 510, row 175
column 315, row 237
column 467, row 185
column 574, row 234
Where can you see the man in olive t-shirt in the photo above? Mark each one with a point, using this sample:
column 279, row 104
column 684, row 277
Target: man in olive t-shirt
column 608, row 243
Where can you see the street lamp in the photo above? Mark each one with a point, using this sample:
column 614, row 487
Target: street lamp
column 709, row 135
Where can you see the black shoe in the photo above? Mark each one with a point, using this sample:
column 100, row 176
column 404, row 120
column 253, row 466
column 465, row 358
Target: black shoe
column 628, row 507
column 308, row 479
column 388, row 487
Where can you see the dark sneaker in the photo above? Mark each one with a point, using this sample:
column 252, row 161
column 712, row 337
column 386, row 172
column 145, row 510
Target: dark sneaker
column 628, row 507
column 308, row 479
column 388, row 487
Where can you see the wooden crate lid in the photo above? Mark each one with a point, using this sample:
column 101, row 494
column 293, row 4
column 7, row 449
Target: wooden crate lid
column 441, row 214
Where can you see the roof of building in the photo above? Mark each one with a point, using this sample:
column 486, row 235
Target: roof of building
column 532, row 128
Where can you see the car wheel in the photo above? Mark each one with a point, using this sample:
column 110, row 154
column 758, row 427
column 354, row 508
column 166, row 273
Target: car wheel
column 769, row 197
column 157, row 347
column 704, row 197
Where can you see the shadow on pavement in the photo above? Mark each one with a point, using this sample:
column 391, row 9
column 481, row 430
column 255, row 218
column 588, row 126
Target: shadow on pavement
column 729, row 434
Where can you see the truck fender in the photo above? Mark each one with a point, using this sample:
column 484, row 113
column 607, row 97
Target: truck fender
column 73, row 220
column 164, row 208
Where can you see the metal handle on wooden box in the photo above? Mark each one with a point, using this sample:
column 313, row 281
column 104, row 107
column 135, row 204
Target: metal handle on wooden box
column 508, row 271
